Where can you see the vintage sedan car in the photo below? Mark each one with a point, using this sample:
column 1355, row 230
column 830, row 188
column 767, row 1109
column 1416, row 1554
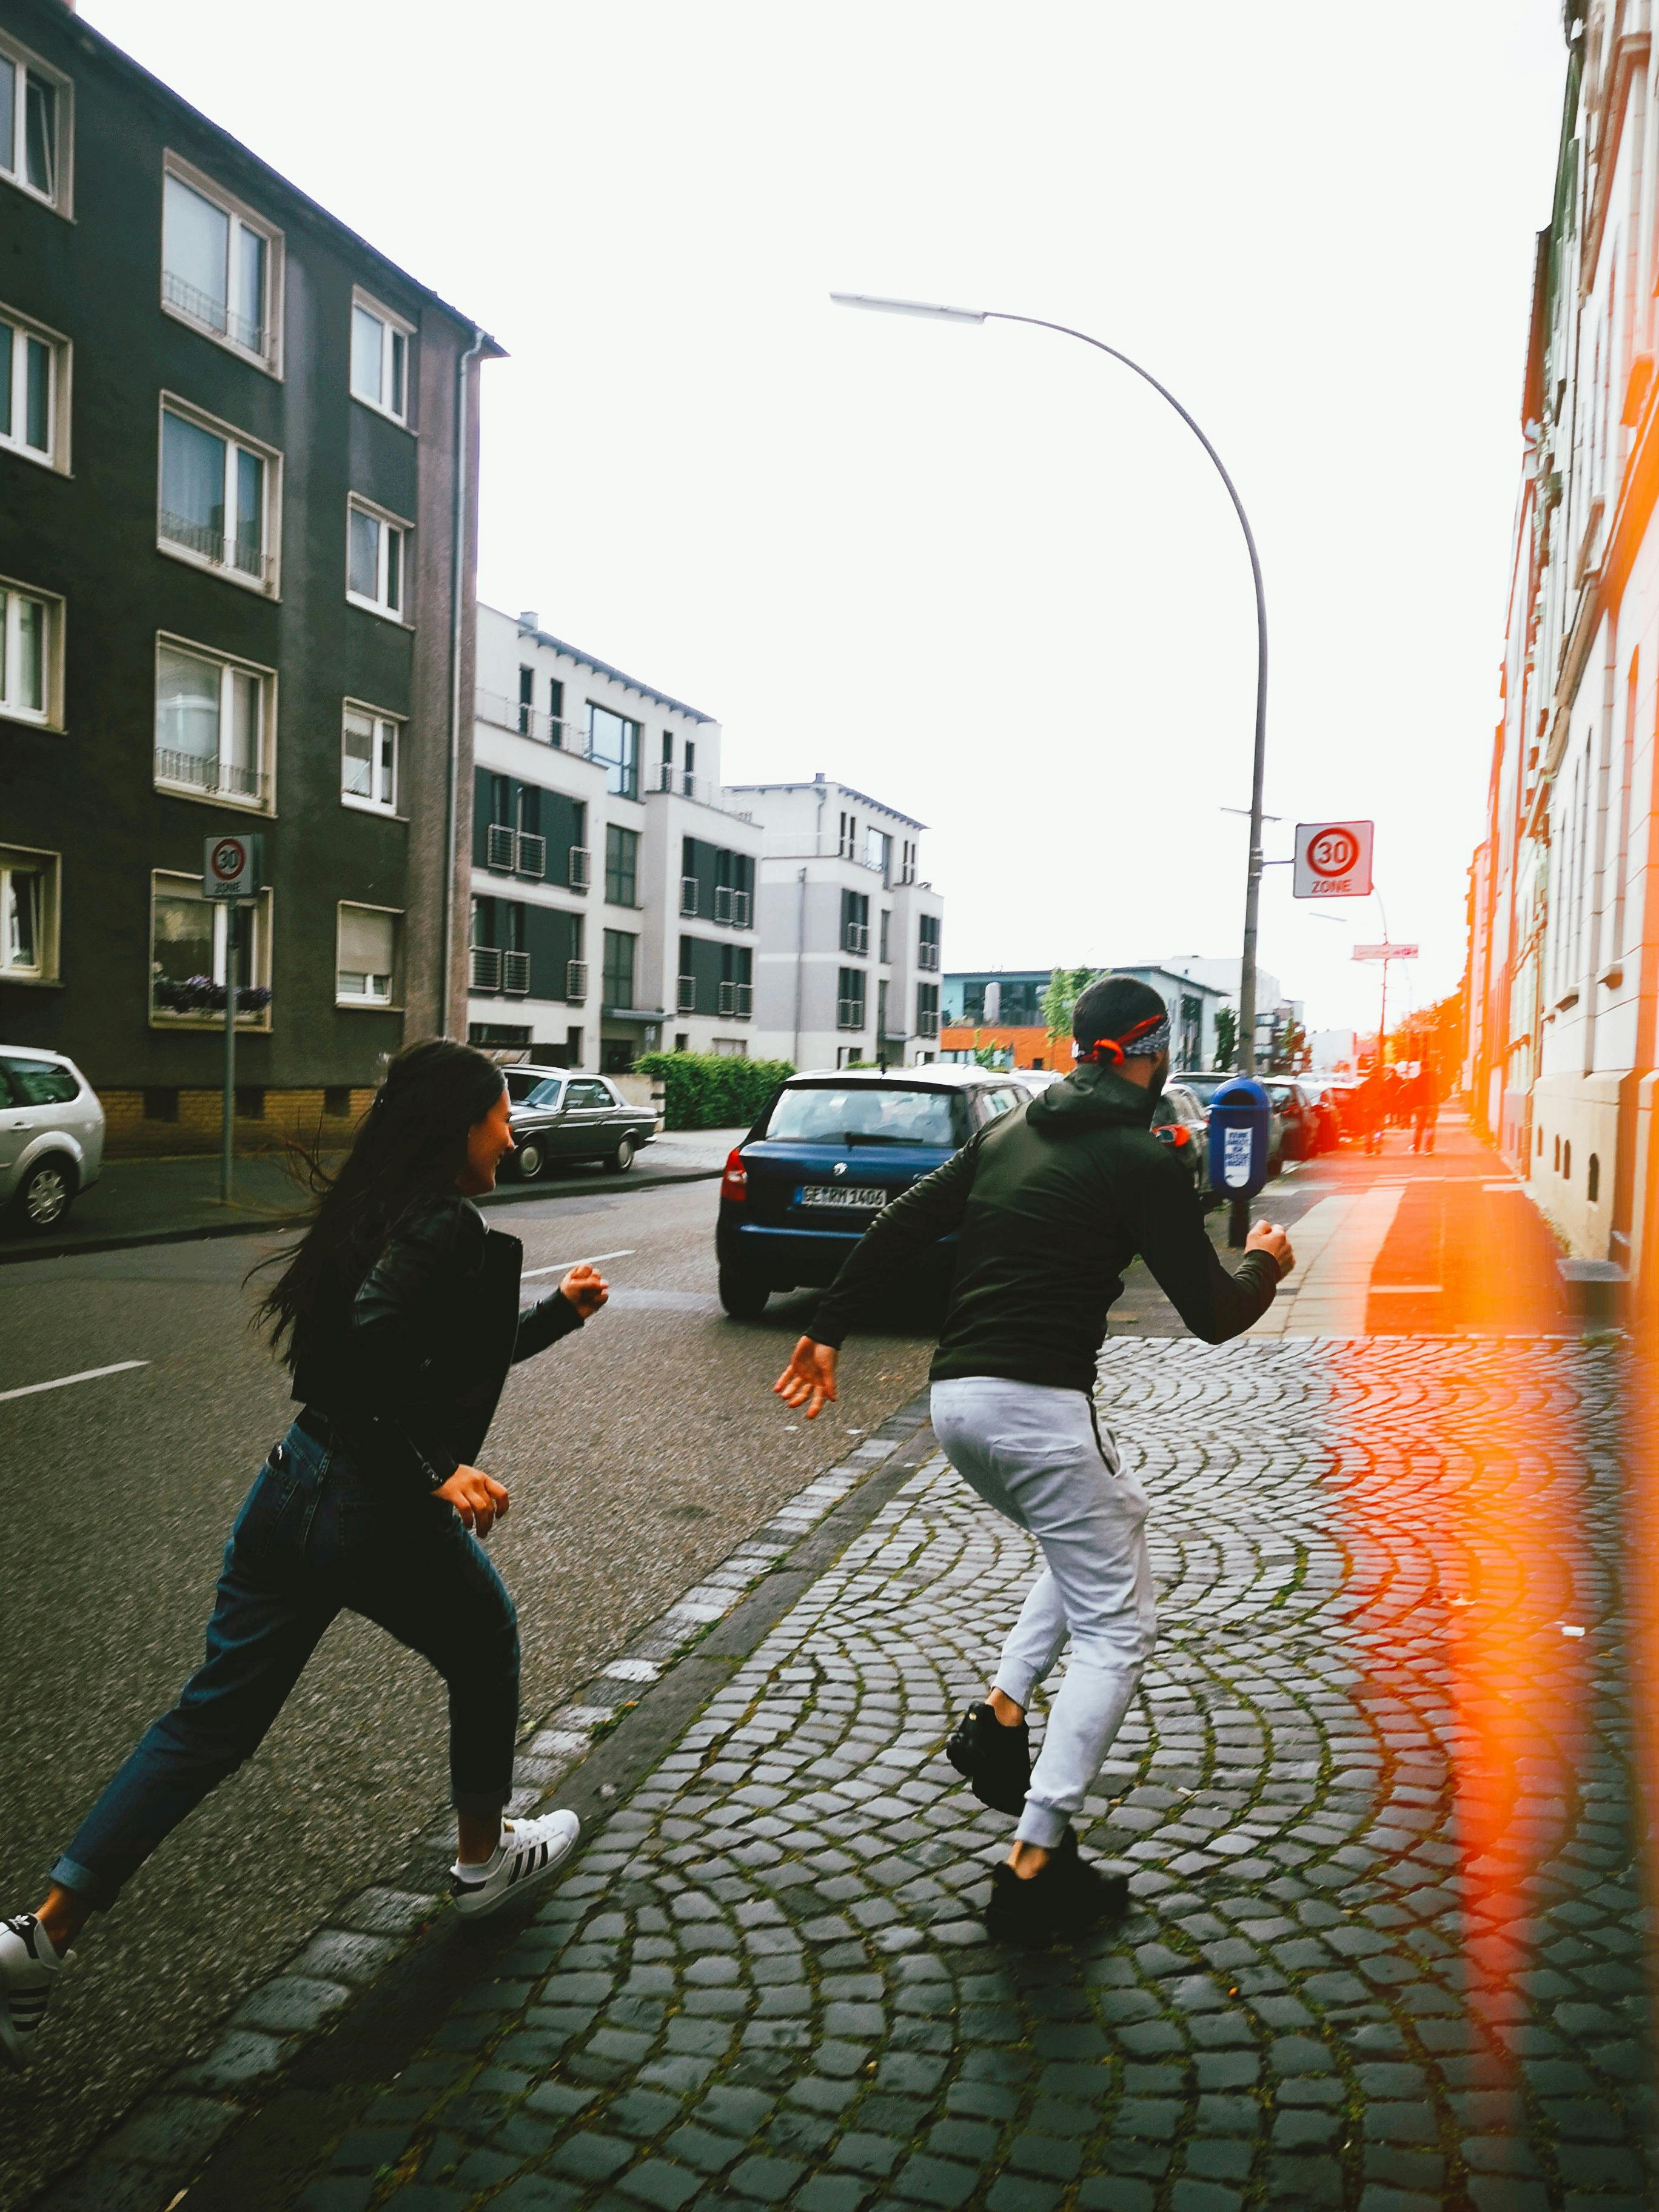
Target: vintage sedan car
column 560, row 1115
column 831, row 1150
column 51, row 1137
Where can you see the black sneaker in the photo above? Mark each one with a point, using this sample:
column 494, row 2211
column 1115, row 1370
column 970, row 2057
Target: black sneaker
column 995, row 1760
column 1059, row 1906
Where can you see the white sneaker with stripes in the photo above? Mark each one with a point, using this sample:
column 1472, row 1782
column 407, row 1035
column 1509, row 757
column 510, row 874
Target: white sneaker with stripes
column 528, row 1853
column 29, row 1968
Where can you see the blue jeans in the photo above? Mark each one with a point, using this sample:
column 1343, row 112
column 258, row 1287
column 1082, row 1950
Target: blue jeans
column 316, row 1534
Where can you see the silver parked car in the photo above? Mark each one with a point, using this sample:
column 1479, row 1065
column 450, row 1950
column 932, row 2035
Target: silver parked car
column 559, row 1115
column 51, row 1136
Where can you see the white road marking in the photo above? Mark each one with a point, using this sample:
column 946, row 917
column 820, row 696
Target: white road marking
column 564, row 1266
column 63, row 1382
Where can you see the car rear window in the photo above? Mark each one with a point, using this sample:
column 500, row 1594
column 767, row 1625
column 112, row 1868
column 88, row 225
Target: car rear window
column 868, row 1113
column 39, row 1082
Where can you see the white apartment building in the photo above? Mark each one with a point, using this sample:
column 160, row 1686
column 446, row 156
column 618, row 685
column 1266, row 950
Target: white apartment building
column 614, row 885
column 848, row 966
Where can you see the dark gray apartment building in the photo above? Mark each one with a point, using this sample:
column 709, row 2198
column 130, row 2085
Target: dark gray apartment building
column 237, row 459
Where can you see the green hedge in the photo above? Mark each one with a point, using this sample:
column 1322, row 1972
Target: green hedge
column 713, row 1089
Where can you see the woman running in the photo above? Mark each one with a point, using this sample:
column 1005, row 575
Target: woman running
column 399, row 1316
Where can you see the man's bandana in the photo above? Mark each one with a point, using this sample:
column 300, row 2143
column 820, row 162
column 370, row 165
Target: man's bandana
column 1143, row 1042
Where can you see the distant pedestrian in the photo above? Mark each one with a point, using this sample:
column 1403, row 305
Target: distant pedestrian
column 398, row 1315
column 1049, row 1205
column 1373, row 1108
column 1426, row 1107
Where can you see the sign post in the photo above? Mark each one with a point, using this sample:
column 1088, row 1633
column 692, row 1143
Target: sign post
column 230, row 875
column 1333, row 860
column 1384, row 952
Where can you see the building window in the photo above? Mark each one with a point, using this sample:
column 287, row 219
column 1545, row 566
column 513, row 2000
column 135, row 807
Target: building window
column 377, row 560
column 928, row 1010
column 219, row 497
column 188, row 939
column 617, row 984
column 31, row 654
column 219, row 264
column 28, row 915
column 1593, row 1180
column 34, row 103
column 555, row 711
column 927, row 946
column 622, row 866
column 849, row 999
column 614, row 740
column 34, row 391
column 877, row 850
column 368, row 760
column 365, row 968
column 855, row 922
column 527, row 724
column 212, row 725
column 379, row 359
column 847, row 841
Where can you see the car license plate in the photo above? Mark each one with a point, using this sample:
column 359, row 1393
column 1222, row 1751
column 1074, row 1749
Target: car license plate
column 856, row 1198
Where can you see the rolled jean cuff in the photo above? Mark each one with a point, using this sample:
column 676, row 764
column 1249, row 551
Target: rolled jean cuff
column 480, row 1804
column 70, row 1873
column 1042, row 1825
column 1016, row 1683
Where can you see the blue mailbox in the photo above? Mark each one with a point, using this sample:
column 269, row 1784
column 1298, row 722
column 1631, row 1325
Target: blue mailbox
column 1239, row 1124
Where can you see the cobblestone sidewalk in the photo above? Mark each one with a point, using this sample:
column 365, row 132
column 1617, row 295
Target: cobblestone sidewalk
column 1369, row 1964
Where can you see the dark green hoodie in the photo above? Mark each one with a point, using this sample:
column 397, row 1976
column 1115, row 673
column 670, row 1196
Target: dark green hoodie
column 1050, row 1205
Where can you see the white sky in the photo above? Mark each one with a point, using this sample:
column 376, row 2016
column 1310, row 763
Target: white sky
column 984, row 573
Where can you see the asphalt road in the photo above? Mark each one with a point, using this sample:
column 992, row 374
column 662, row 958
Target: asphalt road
column 639, row 1453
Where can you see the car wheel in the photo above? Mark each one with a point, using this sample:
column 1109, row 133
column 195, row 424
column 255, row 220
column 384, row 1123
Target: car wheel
column 621, row 1159
column 743, row 1296
column 44, row 1195
column 530, row 1160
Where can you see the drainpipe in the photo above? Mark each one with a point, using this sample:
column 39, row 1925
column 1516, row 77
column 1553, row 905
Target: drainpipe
column 800, row 957
column 456, row 616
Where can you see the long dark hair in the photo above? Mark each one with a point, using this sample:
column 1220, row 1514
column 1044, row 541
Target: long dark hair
column 411, row 1144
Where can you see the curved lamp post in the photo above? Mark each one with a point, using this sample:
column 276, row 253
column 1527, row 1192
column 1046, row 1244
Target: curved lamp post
column 1253, row 878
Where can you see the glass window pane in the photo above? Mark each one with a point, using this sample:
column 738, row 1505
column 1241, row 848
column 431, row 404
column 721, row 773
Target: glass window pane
column 195, row 253
column 181, row 949
column 37, row 395
column 356, row 767
column 30, row 656
column 21, row 915
column 242, row 761
column 193, row 486
column 364, row 568
column 249, row 513
column 186, row 716
column 367, row 335
column 8, row 116
column 5, row 639
column 396, row 400
column 367, row 948
column 388, row 791
column 394, row 570
column 7, row 338
column 40, row 133
column 248, row 328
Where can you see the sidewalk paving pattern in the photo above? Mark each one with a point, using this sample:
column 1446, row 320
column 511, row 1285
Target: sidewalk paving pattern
column 764, row 1979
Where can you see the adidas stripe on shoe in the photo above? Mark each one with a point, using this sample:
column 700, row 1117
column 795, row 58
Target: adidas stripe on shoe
column 29, row 1967
column 529, row 1851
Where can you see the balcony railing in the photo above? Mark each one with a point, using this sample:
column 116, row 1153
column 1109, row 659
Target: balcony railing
column 927, row 954
column 686, row 1002
column 927, row 1023
column 214, row 314
column 855, row 937
column 580, row 868
column 732, row 906
column 486, row 967
column 529, row 854
column 498, row 847
column 849, row 1013
column 575, row 980
column 533, row 722
column 736, row 999
column 687, row 895
column 213, row 778
column 241, row 552
column 681, row 783
column 802, row 845
column 515, row 974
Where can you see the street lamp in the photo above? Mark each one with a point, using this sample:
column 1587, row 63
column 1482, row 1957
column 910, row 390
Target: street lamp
column 1253, row 875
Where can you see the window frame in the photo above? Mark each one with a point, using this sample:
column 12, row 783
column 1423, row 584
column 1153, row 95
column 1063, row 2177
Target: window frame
column 392, row 1004
column 620, row 833
column 50, row 714
column 61, row 198
column 267, row 586
column 630, row 937
column 237, row 211
column 618, row 766
column 51, row 866
column 228, row 663
column 162, row 882
column 395, row 326
column 384, row 722
column 356, row 504
column 55, row 455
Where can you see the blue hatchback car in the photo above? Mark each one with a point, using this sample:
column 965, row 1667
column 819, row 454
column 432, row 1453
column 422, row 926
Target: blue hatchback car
column 830, row 1151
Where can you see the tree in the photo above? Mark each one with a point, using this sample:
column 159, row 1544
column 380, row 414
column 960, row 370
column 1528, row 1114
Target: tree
column 1289, row 1052
column 1061, row 995
column 1227, row 1036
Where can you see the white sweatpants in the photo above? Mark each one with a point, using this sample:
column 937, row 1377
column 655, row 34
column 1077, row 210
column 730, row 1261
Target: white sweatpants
column 1036, row 1455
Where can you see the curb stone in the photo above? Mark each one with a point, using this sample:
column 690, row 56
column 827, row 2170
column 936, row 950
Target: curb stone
column 363, row 1976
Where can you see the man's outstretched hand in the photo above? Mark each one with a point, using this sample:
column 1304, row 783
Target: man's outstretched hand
column 809, row 1381
column 1267, row 1236
column 586, row 1288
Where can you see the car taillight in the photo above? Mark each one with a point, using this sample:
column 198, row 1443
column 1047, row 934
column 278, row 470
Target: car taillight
column 735, row 1183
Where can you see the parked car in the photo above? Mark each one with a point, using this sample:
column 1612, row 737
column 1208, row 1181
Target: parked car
column 1180, row 1120
column 1309, row 1119
column 830, row 1151
column 51, row 1136
column 558, row 1115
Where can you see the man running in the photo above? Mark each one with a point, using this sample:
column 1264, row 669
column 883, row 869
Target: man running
column 1051, row 1203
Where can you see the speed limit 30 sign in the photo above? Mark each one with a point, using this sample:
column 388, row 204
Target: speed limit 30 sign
column 1332, row 859
column 230, row 867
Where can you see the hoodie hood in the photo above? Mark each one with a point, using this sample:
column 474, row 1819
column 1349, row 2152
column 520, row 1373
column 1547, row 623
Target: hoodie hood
column 1090, row 1097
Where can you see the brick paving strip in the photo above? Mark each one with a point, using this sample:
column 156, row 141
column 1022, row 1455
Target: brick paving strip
column 763, row 1979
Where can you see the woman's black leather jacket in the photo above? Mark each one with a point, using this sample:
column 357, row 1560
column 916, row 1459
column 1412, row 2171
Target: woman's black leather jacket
column 407, row 1372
